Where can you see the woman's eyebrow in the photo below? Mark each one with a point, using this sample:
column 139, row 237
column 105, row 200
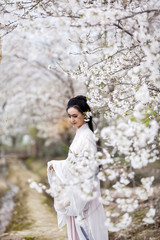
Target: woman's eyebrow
column 72, row 114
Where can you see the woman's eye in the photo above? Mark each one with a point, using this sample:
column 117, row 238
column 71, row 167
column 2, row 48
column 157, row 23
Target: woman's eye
column 72, row 116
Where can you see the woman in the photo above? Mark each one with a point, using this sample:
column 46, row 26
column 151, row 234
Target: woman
column 74, row 184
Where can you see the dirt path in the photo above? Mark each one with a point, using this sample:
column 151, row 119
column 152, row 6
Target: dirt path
column 33, row 217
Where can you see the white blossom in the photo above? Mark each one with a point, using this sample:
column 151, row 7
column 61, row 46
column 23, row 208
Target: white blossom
column 34, row 185
column 149, row 216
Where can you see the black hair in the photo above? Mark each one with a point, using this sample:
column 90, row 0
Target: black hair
column 80, row 103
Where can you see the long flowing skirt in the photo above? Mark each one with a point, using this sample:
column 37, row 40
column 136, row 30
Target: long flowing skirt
column 85, row 219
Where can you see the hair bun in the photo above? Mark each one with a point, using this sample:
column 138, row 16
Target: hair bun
column 81, row 97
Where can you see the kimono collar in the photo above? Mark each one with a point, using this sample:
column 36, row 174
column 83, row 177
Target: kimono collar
column 84, row 126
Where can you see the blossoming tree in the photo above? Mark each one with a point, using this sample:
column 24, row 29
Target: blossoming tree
column 120, row 44
column 117, row 45
column 32, row 93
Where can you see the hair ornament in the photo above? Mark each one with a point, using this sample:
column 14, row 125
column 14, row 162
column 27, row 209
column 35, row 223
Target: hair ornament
column 88, row 115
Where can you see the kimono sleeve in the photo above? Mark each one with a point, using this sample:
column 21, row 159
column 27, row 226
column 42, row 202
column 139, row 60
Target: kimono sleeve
column 59, row 169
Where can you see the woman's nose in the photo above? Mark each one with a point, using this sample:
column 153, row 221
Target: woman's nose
column 71, row 119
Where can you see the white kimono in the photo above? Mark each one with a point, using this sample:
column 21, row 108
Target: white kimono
column 76, row 189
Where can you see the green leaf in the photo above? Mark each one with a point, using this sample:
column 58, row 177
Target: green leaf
column 147, row 122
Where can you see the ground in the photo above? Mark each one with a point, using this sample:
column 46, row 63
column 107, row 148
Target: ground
column 35, row 219
column 33, row 216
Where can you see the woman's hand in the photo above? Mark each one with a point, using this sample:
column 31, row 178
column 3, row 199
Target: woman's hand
column 51, row 167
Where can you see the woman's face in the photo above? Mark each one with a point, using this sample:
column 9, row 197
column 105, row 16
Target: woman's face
column 76, row 118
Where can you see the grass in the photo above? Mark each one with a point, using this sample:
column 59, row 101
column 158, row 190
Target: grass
column 29, row 161
column 31, row 237
column 20, row 219
column 139, row 215
column 48, row 200
column 3, row 192
column 28, row 237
